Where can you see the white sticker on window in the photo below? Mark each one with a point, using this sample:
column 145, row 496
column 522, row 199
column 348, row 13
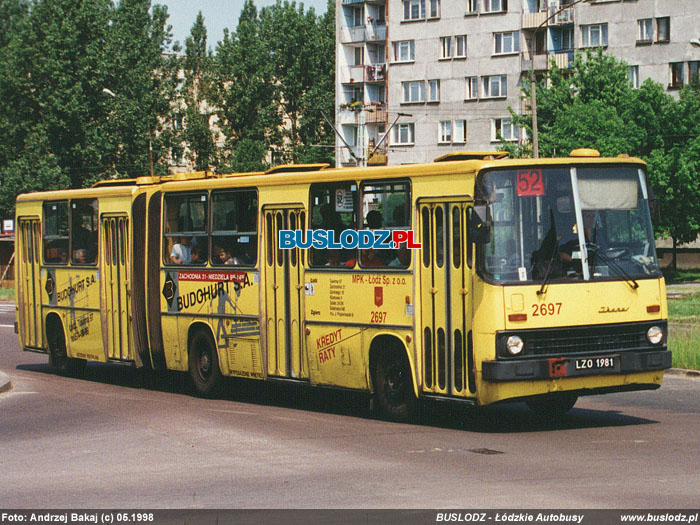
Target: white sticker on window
column 522, row 273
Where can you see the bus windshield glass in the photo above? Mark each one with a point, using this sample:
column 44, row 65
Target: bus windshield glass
column 567, row 224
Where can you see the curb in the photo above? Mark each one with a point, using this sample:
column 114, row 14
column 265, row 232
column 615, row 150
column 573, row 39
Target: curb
column 5, row 383
column 693, row 374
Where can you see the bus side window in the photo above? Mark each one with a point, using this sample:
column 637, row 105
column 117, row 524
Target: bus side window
column 83, row 231
column 334, row 208
column 185, row 234
column 235, row 228
column 386, row 205
column 56, row 232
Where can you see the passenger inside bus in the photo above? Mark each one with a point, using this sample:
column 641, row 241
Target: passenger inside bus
column 181, row 252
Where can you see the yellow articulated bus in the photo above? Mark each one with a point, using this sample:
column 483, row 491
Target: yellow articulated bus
column 535, row 280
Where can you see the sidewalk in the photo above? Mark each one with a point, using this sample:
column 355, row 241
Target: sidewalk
column 674, row 291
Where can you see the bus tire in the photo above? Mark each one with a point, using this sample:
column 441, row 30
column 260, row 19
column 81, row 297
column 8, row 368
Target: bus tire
column 58, row 355
column 552, row 407
column 204, row 365
column 393, row 386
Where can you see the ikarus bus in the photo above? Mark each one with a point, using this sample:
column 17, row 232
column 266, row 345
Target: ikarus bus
column 525, row 279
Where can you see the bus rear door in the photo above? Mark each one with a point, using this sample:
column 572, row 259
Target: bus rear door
column 29, row 263
column 445, row 289
column 284, row 292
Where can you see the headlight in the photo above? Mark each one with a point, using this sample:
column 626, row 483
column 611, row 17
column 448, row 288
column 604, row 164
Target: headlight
column 514, row 345
column 655, row 335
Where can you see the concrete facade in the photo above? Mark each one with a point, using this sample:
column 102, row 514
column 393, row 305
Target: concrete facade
column 418, row 45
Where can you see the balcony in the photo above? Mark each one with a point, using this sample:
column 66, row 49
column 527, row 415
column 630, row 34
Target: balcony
column 534, row 20
column 564, row 17
column 375, row 113
column 358, row 74
column 380, row 156
column 375, row 31
column 562, row 58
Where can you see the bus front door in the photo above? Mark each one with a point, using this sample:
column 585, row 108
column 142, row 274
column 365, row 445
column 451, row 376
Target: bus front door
column 29, row 264
column 446, row 311
column 115, row 278
column 284, row 293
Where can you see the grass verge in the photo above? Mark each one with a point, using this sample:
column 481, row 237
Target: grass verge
column 7, row 294
column 684, row 331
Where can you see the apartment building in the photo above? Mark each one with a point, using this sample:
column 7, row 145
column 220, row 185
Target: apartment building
column 439, row 75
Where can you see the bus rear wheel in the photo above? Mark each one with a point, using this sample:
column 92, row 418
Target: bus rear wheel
column 58, row 355
column 553, row 406
column 393, row 386
column 204, row 365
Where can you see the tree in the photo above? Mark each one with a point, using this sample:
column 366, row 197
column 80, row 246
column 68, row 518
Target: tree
column 197, row 69
column 247, row 97
column 292, row 58
column 143, row 72
column 317, row 137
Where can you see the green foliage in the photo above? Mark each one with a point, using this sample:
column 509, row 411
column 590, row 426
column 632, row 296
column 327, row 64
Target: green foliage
column 592, row 104
column 93, row 89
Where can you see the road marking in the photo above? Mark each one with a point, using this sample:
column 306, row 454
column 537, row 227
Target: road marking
column 7, row 326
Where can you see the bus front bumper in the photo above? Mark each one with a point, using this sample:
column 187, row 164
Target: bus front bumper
column 562, row 367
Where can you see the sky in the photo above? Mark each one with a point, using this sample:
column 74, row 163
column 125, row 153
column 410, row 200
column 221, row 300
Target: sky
column 218, row 14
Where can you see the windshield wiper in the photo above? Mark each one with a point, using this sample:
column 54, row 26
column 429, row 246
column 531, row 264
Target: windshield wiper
column 545, row 280
column 595, row 249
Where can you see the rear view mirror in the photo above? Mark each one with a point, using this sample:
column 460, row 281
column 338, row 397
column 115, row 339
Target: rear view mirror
column 480, row 225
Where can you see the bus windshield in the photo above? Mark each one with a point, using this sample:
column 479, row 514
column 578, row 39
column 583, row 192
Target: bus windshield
column 567, row 224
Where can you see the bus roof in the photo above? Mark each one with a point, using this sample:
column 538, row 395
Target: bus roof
column 456, row 162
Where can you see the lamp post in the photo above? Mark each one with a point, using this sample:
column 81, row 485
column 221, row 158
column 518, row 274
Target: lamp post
column 112, row 94
column 533, row 93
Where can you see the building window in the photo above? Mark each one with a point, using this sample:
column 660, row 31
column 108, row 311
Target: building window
column 646, row 30
column 503, row 128
column 403, row 134
column 404, row 51
column 495, row 6
column 505, row 43
column 452, row 132
column 677, row 74
column 413, row 91
column 445, row 134
column 461, row 46
column 663, row 29
column 495, row 86
column 459, row 133
column 634, row 76
column 445, row 47
column 472, row 6
column 359, row 56
column 414, row 9
column 433, row 91
column 567, row 39
column 594, row 35
column 472, row 92
column 694, row 72
column 434, row 9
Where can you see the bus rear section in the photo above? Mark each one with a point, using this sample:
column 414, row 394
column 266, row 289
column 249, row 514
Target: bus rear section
column 568, row 296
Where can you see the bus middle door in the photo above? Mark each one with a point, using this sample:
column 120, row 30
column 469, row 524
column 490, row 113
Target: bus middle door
column 284, row 292
column 115, row 278
column 445, row 289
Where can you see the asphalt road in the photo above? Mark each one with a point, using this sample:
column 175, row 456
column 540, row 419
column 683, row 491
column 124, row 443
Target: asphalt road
column 116, row 440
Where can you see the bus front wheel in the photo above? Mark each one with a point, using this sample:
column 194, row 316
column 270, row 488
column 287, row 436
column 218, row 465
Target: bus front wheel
column 393, row 386
column 553, row 406
column 204, row 365
column 58, row 356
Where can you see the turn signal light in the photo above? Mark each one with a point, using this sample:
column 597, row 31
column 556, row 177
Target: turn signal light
column 654, row 308
column 517, row 317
